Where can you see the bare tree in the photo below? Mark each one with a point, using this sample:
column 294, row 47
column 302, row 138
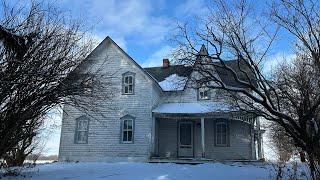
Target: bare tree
column 236, row 31
column 281, row 142
column 41, row 49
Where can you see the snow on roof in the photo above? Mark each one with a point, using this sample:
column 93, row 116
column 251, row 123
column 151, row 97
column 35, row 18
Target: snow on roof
column 173, row 82
column 192, row 108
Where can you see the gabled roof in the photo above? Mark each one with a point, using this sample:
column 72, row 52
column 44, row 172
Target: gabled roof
column 203, row 51
column 172, row 78
column 89, row 59
column 227, row 77
column 160, row 73
column 151, row 77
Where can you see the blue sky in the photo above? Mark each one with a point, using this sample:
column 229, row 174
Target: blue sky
column 142, row 28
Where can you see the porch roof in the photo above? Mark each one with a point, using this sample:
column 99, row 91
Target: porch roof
column 192, row 108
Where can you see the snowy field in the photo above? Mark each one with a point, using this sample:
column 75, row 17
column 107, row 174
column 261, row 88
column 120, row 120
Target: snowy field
column 148, row 171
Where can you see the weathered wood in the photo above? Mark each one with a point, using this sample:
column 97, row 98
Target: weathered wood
column 203, row 138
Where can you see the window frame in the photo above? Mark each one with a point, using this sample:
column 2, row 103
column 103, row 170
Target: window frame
column 202, row 89
column 122, row 130
column 227, row 135
column 124, row 84
column 88, row 85
column 77, row 130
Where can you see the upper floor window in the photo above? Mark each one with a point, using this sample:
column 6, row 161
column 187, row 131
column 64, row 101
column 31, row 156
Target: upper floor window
column 87, row 84
column 128, row 83
column 81, row 133
column 127, row 129
column 203, row 93
column 221, row 134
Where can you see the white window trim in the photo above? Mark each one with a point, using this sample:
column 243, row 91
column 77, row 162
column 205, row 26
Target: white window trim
column 226, row 134
column 77, row 131
column 123, row 130
column 124, row 84
column 203, row 89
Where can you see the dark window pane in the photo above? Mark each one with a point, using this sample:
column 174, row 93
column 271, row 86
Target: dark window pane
column 185, row 134
column 129, row 135
column 125, row 124
column 221, row 134
column 223, row 139
column 81, row 136
column 205, row 94
column 130, row 80
column 218, row 139
column 124, row 137
column 126, row 89
column 78, row 136
column 129, row 124
column 221, row 128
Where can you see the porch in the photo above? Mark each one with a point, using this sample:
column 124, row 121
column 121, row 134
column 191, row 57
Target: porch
column 206, row 136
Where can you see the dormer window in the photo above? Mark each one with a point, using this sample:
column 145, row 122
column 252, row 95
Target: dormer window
column 203, row 93
column 128, row 83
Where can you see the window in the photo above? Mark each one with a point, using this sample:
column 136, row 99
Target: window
column 203, row 93
column 81, row 133
column 87, row 84
column 128, row 83
column 221, row 134
column 127, row 129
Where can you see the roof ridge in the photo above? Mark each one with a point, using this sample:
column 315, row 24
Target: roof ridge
column 164, row 67
column 137, row 64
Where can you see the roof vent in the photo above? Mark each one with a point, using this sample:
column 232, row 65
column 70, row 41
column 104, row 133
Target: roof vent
column 166, row 63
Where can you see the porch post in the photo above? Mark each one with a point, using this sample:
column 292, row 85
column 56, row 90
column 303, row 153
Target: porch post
column 153, row 134
column 202, row 138
column 253, row 145
column 259, row 138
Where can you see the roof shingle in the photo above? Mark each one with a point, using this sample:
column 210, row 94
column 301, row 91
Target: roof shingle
column 160, row 73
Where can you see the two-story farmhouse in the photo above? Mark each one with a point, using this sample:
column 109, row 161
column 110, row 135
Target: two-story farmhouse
column 158, row 116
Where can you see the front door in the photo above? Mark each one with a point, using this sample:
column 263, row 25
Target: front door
column 185, row 139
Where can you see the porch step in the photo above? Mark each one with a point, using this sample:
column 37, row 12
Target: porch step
column 194, row 161
column 191, row 161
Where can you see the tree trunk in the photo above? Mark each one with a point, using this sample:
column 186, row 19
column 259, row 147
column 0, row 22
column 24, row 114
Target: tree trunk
column 313, row 164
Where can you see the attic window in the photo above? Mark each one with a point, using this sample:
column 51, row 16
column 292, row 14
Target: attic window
column 88, row 85
column 128, row 83
column 203, row 93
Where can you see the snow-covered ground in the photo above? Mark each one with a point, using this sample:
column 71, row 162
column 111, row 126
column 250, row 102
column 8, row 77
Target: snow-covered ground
column 148, row 171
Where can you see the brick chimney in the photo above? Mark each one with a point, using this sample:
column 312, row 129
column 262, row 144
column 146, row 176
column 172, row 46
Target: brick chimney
column 166, row 63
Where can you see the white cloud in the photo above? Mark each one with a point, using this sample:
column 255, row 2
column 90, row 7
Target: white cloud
column 156, row 58
column 274, row 61
column 133, row 20
column 192, row 8
column 123, row 19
